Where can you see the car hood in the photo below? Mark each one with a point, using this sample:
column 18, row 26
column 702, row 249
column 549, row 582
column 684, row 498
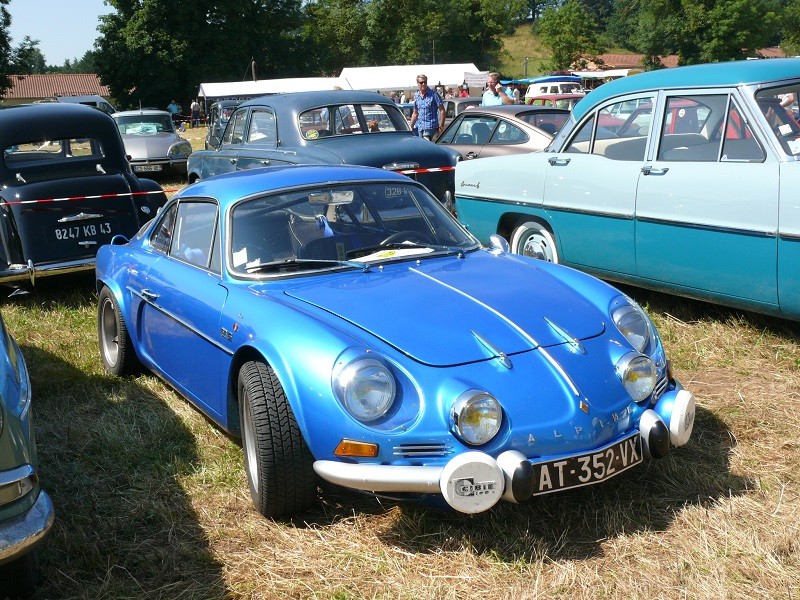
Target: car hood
column 378, row 150
column 451, row 311
column 148, row 146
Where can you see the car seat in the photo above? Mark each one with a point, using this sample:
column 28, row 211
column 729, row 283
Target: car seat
column 480, row 132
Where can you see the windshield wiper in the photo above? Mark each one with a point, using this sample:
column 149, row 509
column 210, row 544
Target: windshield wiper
column 302, row 264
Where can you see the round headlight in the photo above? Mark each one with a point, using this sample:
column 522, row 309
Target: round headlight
column 638, row 374
column 634, row 324
column 366, row 388
column 476, row 417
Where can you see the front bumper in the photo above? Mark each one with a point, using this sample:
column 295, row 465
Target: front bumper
column 473, row 482
column 28, row 273
column 154, row 167
column 20, row 535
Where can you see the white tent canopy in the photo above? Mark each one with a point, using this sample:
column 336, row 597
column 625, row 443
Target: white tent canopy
column 251, row 89
column 403, row 77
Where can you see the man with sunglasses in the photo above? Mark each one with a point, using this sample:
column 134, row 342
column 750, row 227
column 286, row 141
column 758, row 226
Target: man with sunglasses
column 428, row 113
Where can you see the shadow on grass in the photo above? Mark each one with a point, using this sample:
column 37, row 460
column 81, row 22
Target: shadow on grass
column 111, row 455
column 567, row 525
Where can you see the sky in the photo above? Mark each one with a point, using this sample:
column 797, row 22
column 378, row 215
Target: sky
column 66, row 29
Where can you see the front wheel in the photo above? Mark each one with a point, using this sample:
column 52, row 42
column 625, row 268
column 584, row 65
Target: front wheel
column 278, row 463
column 534, row 240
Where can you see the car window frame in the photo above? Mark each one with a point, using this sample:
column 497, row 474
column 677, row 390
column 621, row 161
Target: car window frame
column 179, row 253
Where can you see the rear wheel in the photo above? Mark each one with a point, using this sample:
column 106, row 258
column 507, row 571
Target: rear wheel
column 536, row 241
column 116, row 349
column 278, row 463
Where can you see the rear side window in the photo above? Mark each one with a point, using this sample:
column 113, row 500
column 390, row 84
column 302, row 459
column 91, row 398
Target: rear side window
column 193, row 233
column 52, row 151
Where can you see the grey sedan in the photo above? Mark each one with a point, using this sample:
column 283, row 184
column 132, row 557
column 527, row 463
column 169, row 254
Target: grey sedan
column 151, row 142
column 326, row 127
column 482, row 131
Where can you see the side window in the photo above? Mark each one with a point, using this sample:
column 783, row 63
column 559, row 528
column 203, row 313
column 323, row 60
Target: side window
column 450, row 110
column 691, row 126
column 449, row 136
column 508, row 133
column 262, row 128
column 583, row 139
column 739, row 143
column 193, row 233
column 235, row 131
column 162, row 236
column 623, row 130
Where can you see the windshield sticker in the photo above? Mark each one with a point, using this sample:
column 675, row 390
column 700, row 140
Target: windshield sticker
column 785, row 129
column 393, row 253
column 794, row 146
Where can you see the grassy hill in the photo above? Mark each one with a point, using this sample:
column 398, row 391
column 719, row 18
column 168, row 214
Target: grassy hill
column 517, row 47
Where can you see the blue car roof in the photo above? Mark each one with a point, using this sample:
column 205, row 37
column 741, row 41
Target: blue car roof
column 231, row 187
column 714, row 74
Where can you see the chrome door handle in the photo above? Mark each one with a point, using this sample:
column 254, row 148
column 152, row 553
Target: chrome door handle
column 651, row 170
column 265, row 162
column 555, row 161
column 149, row 295
column 232, row 160
column 471, row 155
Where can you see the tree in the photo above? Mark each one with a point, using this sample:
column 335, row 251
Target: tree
column 153, row 51
column 570, row 34
column 27, row 58
column 790, row 43
column 5, row 47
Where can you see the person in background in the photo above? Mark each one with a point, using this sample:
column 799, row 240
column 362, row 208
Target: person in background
column 393, row 97
column 515, row 94
column 405, row 97
column 495, row 93
column 174, row 110
column 195, row 108
column 464, row 93
column 428, row 110
column 449, row 94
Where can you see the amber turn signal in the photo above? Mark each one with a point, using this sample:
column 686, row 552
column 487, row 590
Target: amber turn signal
column 354, row 448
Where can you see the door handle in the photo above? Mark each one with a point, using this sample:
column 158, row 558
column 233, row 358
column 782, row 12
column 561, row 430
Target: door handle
column 149, row 295
column 651, row 170
column 556, row 161
column 266, row 162
column 471, row 155
column 232, row 160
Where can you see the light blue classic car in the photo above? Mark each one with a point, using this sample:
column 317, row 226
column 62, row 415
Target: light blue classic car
column 342, row 324
column 694, row 193
column 26, row 511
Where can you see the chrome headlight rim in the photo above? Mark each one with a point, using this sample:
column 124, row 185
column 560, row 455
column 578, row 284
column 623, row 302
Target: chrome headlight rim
column 471, row 405
column 638, row 374
column 365, row 386
column 632, row 322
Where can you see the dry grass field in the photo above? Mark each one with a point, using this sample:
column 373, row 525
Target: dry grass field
column 151, row 499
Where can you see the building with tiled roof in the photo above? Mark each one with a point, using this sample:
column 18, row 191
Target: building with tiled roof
column 33, row 88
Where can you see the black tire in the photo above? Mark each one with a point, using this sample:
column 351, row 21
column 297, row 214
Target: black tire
column 277, row 461
column 20, row 577
column 116, row 349
column 536, row 241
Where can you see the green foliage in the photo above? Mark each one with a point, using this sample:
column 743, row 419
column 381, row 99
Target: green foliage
column 791, row 28
column 569, row 32
column 5, row 47
column 27, row 58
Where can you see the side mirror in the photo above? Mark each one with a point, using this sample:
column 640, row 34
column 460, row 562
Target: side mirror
column 498, row 242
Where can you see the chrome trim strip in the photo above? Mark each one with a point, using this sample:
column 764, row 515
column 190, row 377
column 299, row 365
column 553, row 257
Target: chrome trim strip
column 381, row 478
column 706, row 227
column 144, row 298
column 26, row 273
column 15, row 475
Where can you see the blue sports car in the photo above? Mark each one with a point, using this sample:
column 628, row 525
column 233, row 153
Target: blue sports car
column 342, row 324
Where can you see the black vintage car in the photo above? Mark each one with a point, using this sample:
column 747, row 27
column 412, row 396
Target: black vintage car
column 66, row 188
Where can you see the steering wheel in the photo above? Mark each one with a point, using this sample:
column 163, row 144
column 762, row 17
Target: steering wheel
column 410, row 235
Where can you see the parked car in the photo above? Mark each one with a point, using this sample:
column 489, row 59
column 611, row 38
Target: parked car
column 67, row 188
column 26, row 511
column 695, row 193
column 153, row 145
column 554, row 84
column 327, row 127
column 567, row 101
column 346, row 327
column 455, row 106
column 218, row 115
column 92, row 100
column 497, row 130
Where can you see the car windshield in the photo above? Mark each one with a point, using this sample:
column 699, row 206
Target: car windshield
column 144, row 124
column 350, row 119
column 348, row 225
column 780, row 108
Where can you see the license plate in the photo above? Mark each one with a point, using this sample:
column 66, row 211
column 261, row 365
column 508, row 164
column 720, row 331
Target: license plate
column 82, row 231
column 147, row 168
column 586, row 469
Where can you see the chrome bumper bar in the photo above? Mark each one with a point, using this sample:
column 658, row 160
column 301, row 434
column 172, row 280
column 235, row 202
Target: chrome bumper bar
column 20, row 535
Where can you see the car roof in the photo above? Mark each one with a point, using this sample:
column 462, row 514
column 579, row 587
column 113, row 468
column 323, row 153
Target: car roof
column 316, row 98
column 513, row 109
column 707, row 75
column 231, row 187
column 54, row 119
column 142, row 111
